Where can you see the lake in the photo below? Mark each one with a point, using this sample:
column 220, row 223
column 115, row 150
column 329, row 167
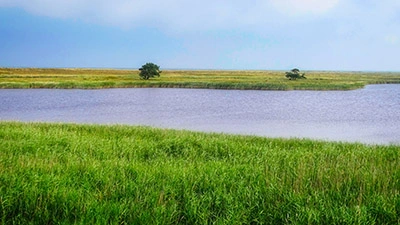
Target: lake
column 368, row 115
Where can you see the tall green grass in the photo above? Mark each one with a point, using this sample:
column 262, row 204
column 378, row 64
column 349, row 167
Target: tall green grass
column 256, row 80
column 92, row 174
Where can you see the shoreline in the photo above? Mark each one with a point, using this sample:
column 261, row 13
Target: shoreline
column 197, row 132
column 79, row 78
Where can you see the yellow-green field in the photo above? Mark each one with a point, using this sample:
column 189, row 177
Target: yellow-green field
column 257, row 80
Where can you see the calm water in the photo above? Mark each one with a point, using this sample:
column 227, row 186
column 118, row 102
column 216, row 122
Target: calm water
column 369, row 115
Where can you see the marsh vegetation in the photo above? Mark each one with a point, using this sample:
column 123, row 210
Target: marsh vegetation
column 86, row 174
column 256, row 80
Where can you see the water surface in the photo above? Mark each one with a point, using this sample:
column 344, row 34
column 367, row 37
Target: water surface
column 369, row 115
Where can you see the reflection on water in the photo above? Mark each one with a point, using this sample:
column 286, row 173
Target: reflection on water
column 370, row 115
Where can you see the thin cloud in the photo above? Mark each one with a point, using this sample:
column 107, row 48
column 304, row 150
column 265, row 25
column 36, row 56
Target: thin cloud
column 299, row 7
column 171, row 14
column 183, row 15
column 392, row 39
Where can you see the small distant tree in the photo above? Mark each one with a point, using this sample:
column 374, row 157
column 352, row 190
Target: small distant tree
column 295, row 74
column 149, row 70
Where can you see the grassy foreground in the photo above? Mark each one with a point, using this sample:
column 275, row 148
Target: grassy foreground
column 256, row 80
column 86, row 174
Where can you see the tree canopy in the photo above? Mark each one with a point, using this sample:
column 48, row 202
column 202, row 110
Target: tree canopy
column 295, row 74
column 149, row 70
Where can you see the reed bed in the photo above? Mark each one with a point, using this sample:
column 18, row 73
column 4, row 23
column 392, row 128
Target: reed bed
column 96, row 174
column 256, row 80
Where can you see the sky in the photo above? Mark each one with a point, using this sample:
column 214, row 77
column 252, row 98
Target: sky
column 348, row 35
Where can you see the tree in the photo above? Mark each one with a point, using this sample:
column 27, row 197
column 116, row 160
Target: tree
column 149, row 70
column 295, row 74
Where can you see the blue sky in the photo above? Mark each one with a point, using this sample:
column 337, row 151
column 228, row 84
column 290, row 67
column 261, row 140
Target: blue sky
column 361, row 35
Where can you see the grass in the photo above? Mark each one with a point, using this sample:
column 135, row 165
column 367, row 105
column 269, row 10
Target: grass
column 94, row 174
column 258, row 80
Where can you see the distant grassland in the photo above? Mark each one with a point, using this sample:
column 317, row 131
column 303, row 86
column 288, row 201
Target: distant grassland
column 256, row 80
column 92, row 174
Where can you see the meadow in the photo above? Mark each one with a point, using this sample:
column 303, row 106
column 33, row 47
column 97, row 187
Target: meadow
column 256, row 80
column 97, row 174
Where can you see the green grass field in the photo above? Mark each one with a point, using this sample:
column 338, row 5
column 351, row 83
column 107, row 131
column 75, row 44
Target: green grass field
column 257, row 80
column 93, row 174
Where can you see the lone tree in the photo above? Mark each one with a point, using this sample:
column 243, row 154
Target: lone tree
column 149, row 70
column 295, row 74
